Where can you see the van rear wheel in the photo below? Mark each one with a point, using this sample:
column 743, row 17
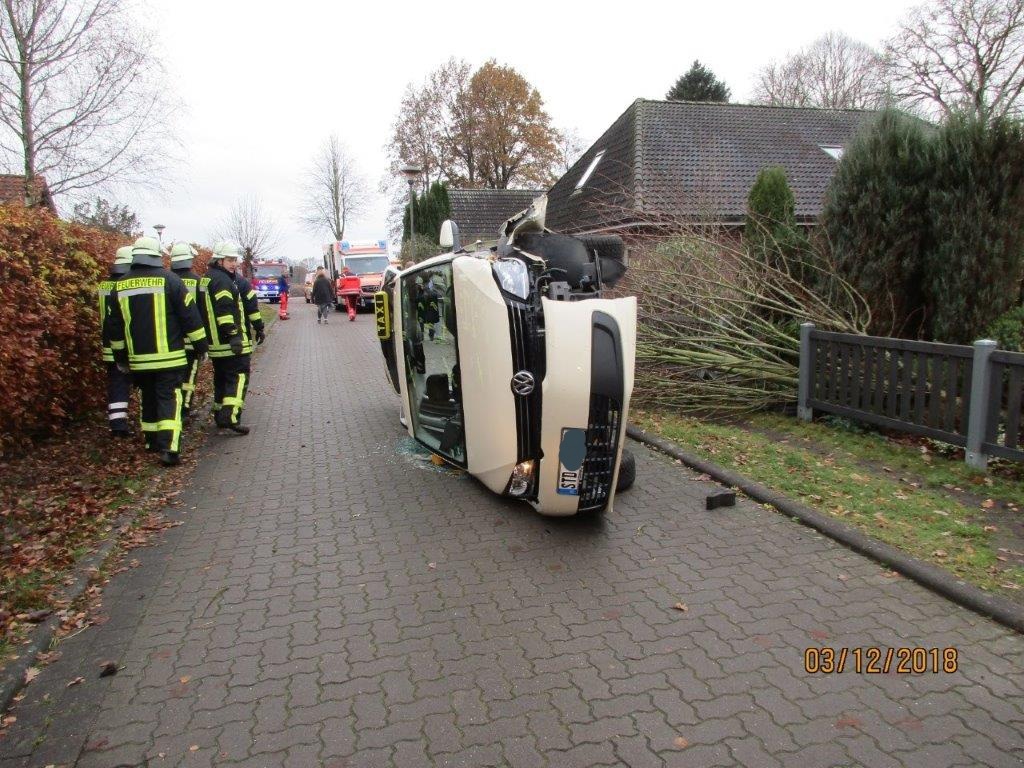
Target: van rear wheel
column 627, row 471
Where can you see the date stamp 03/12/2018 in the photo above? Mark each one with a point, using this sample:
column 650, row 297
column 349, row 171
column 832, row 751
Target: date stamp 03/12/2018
column 875, row 660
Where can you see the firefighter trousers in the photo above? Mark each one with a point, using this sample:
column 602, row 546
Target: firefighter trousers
column 160, row 400
column 119, row 391
column 230, row 383
column 188, row 383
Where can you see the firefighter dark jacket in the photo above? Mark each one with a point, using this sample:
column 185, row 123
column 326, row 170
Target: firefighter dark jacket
column 250, row 311
column 150, row 313
column 191, row 281
column 104, row 289
column 225, row 315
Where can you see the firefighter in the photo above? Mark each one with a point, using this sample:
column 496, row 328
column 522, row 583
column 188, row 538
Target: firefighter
column 230, row 344
column 251, row 311
column 182, row 255
column 119, row 384
column 151, row 313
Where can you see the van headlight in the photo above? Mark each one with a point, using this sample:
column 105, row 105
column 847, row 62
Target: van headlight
column 522, row 478
column 513, row 276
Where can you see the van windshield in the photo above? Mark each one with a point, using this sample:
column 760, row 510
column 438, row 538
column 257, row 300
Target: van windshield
column 367, row 265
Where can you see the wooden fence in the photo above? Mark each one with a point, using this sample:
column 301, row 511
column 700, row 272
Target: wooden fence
column 967, row 396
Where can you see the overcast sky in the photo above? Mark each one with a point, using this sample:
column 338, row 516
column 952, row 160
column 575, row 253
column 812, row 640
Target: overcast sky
column 262, row 86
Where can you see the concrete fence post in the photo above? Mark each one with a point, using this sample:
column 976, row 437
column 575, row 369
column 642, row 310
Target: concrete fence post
column 981, row 386
column 804, row 412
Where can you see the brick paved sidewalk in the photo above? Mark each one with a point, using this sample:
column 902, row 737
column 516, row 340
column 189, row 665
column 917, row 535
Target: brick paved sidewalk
column 333, row 600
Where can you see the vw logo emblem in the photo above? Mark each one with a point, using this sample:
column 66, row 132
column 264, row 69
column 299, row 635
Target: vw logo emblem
column 522, row 383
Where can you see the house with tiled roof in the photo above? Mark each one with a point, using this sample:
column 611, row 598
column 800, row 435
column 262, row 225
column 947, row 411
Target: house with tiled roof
column 12, row 190
column 696, row 162
column 480, row 212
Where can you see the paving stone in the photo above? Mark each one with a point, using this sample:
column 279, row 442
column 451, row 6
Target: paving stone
column 298, row 599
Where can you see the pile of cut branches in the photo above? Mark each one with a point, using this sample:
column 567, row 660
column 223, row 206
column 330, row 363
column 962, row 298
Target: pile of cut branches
column 719, row 325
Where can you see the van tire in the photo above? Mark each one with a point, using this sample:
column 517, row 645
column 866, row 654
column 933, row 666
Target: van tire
column 627, row 471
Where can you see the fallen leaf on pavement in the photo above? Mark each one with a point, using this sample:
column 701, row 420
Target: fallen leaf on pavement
column 988, row 504
column 681, row 743
column 681, row 607
column 185, row 679
column 108, row 668
column 31, row 674
column 194, row 748
column 990, row 529
column 76, row 681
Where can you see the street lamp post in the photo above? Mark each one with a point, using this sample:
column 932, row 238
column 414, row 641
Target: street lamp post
column 160, row 232
column 412, row 174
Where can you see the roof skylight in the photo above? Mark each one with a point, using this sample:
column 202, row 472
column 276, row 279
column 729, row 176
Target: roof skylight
column 590, row 169
column 832, row 150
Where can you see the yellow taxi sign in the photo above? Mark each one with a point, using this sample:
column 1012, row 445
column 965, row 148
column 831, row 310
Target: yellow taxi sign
column 382, row 313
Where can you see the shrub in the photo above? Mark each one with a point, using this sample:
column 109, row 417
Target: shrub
column 972, row 272
column 929, row 224
column 770, row 229
column 1008, row 330
column 877, row 223
column 50, row 363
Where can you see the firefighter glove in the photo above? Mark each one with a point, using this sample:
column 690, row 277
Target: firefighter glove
column 261, row 335
column 121, row 361
column 236, row 345
column 200, row 348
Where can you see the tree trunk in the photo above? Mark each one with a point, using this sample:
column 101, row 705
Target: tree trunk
column 28, row 139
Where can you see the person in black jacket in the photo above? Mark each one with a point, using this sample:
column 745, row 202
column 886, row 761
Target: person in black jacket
column 182, row 255
column 323, row 295
column 150, row 314
column 251, row 312
column 230, row 342
column 119, row 383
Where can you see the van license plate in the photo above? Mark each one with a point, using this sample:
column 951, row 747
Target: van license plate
column 571, row 453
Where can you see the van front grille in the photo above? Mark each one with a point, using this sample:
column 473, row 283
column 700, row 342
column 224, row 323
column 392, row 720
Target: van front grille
column 603, row 426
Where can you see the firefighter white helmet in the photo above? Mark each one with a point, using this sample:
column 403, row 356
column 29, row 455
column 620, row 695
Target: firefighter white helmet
column 122, row 260
column 146, row 252
column 226, row 250
column 182, row 254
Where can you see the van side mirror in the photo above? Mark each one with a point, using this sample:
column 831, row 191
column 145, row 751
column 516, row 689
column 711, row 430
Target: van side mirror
column 449, row 235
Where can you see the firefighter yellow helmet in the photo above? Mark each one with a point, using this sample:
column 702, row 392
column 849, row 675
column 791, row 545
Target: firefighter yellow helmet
column 146, row 252
column 182, row 254
column 122, row 260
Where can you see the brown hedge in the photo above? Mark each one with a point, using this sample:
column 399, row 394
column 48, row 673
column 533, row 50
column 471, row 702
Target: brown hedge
column 51, row 368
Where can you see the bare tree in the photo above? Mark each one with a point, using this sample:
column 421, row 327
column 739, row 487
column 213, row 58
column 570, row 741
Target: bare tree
column 570, row 148
column 81, row 102
column 251, row 226
column 835, row 72
column 961, row 54
column 335, row 191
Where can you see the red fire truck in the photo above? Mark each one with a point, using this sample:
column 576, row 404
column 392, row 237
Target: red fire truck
column 266, row 279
